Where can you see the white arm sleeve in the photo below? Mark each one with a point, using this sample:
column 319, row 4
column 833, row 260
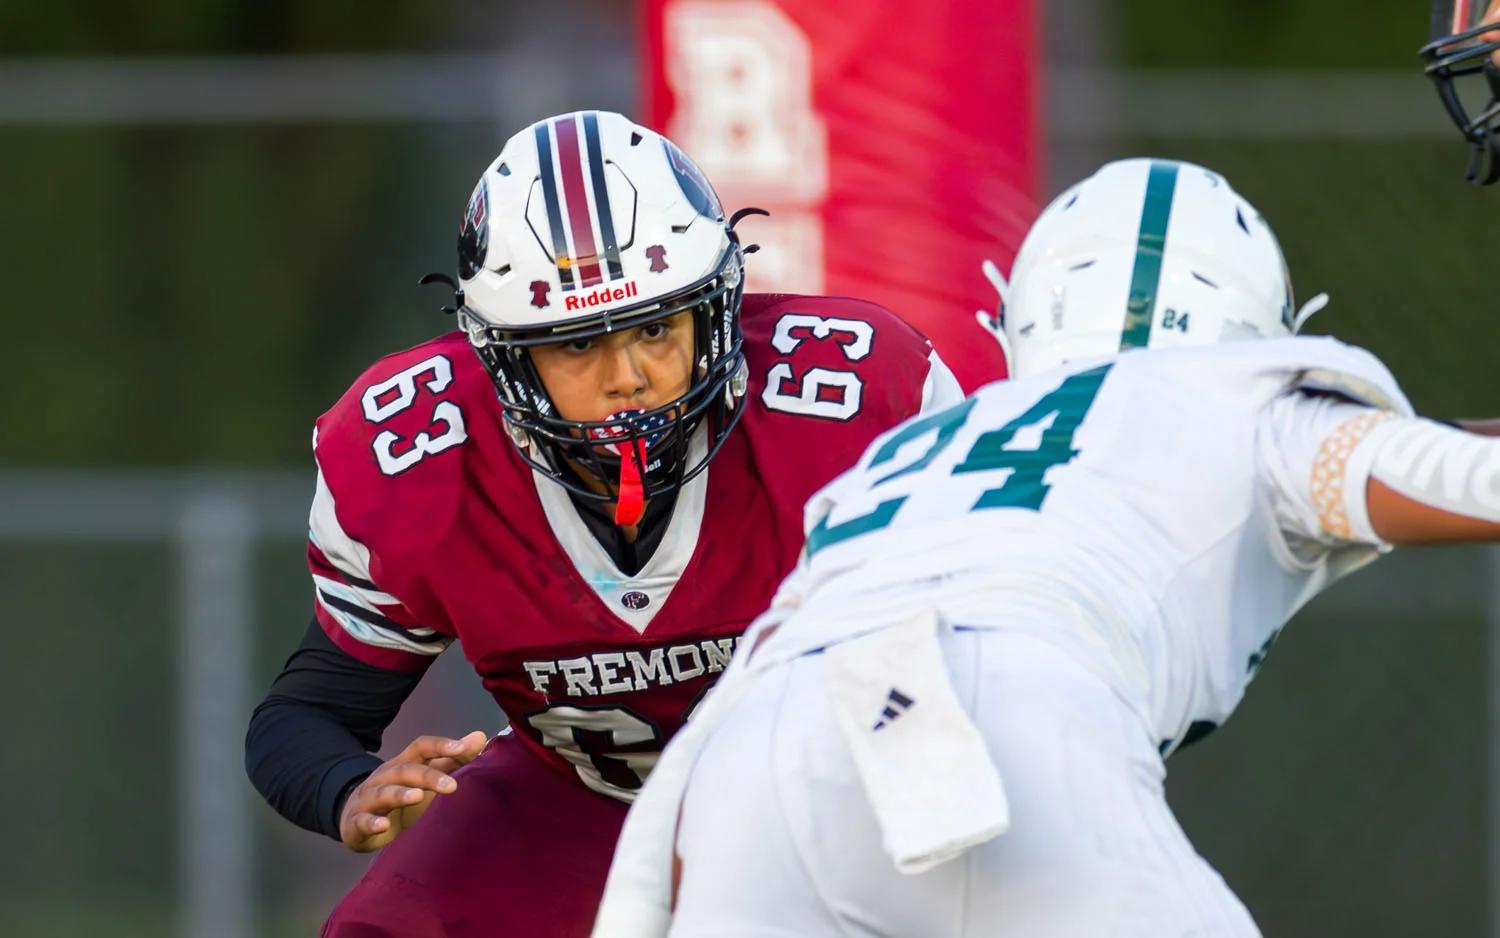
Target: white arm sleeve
column 1314, row 455
column 1440, row 466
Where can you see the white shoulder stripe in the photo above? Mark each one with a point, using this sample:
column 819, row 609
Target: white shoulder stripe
column 344, row 552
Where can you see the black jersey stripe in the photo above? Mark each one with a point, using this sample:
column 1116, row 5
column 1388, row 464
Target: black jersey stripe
column 374, row 618
column 360, row 583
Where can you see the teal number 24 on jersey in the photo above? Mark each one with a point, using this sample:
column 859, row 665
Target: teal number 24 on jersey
column 1058, row 413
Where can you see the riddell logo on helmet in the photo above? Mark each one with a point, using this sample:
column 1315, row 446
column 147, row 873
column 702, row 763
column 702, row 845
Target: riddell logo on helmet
column 601, row 296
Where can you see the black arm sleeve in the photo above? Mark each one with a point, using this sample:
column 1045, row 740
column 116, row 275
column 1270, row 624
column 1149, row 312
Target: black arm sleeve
column 311, row 739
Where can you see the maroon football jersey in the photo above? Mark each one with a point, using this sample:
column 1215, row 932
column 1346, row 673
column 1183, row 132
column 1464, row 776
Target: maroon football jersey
column 428, row 526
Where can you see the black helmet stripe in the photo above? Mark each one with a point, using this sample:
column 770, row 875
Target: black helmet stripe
column 554, row 209
column 611, row 247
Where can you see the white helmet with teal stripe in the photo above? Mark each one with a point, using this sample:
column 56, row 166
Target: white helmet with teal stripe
column 1144, row 253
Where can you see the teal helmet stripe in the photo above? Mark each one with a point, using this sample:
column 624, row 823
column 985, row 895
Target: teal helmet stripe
column 1161, row 185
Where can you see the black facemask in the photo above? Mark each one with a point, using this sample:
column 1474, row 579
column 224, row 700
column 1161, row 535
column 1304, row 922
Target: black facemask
column 1461, row 51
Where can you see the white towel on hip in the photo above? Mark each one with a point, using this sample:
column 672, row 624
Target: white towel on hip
column 925, row 768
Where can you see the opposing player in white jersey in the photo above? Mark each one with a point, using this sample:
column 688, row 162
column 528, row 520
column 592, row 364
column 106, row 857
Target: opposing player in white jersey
column 954, row 719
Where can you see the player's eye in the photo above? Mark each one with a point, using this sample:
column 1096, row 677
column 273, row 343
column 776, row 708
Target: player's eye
column 655, row 330
column 579, row 345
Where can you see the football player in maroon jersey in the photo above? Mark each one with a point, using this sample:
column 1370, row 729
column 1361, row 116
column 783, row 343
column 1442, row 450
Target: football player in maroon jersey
column 596, row 504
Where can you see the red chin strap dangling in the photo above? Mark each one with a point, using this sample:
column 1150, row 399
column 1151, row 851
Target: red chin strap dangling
column 631, row 503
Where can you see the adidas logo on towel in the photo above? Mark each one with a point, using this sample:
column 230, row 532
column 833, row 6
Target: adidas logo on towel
column 895, row 705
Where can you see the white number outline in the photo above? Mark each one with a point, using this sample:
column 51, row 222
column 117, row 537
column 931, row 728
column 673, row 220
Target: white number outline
column 805, row 403
column 784, row 342
column 425, row 443
column 854, row 337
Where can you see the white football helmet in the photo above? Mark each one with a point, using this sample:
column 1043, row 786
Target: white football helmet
column 584, row 224
column 1143, row 253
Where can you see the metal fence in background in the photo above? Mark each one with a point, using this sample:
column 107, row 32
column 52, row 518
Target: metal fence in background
column 154, row 608
column 207, row 529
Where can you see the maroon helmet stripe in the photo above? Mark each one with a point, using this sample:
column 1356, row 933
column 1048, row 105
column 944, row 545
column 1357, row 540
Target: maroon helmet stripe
column 570, row 160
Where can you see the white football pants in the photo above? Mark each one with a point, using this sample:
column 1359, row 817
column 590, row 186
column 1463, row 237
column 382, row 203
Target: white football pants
column 776, row 837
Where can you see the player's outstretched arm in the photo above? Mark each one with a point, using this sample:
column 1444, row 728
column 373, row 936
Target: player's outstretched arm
column 1480, row 427
column 1430, row 483
column 1407, row 522
column 1344, row 473
column 396, row 794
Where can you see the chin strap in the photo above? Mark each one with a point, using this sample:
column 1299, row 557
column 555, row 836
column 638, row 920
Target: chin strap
column 631, row 501
column 1307, row 310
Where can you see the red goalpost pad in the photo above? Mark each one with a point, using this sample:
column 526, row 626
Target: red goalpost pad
column 895, row 144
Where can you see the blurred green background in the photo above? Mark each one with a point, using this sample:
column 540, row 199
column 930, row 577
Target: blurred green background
column 190, row 296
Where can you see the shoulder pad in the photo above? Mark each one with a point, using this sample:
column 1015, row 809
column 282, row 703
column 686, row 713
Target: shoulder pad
column 762, row 312
column 406, row 408
column 1350, row 386
column 833, row 358
column 1353, row 372
column 401, row 450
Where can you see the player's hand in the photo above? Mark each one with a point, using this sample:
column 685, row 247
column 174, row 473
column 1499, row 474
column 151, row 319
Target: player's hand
column 396, row 794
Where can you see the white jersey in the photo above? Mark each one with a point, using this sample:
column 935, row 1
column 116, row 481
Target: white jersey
column 1159, row 514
